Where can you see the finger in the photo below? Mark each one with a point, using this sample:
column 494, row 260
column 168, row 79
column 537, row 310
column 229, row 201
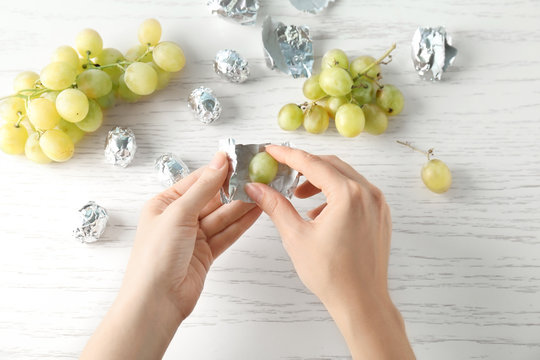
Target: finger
column 212, row 206
column 313, row 213
column 224, row 239
column 305, row 190
column 224, row 216
column 345, row 169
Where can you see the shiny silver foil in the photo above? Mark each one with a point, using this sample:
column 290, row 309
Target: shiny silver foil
column 231, row 66
column 170, row 169
column 91, row 223
column 120, row 146
column 311, row 6
column 204, row 105
column 432, row 52
column 287, row 48
column 240, row 11
column 240, row 156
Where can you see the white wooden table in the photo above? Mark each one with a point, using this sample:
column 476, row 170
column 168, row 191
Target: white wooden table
column 465, row 266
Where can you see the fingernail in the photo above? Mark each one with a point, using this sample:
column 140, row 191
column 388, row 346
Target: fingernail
column 218, row 161
column 254, row 192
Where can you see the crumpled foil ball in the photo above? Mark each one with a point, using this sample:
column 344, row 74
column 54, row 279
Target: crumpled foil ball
column 243, row 12
column 170, row 169
column 91, row 224
column 311, row 6
column 204, row 105
column 432, row 52
column 120, row 146
column 231, row 66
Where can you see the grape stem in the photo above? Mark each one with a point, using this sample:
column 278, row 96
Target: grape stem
column 18, row 123
column 377, row 62
column 428, row 153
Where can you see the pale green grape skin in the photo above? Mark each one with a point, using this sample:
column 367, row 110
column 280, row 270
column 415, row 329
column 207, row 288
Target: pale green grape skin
column 71, row 130
column 88, row 41
column 376, row 119
column 436, row 176
column 66, row 54
column 359, row 64
column 290, row 117
column 56, row 145
column 93, row 119
column 135, row 52
column 50, row 95
column 333, row 58
column 42, row 114
column 13, row 139
column 110, row 56
column 94, row 83
column 58, row 76
column 364, row 91
column 107, row 101
column 33, row 151
column 312, row 90
column 10, row 109
column 335, row 81
column 141, row 78
column 316, row 120
column 169, row 56
column 124, row 92
column 350, row 120
column 25, row 80
column 333, row 103
column 149, row 32
column 72, row 105
column 263, row 168
column 163, row 77
column 390, row 99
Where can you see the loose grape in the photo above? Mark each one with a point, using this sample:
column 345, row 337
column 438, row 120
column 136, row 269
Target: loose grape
column 333, row 58
column 71, row 130
column 124, row 92
column 58, row 76
column 263, row 168
column 93, row 119
column 72, row 104
column 363, row 91
column 376, row 119
column 333, row 103
column 107, row 101
column 316, row 120
column 335, row 81
column 33, row 151
column 12, row 139
column 390, row 99
column 350, row 120
column 361, row 63
column 88, row 43
column 10, row 109
column 94, row 83
column 163, row 76
column 436, row 176
column 312, row 89
column 169, row 56
column 42, row 114
column 25, row 80
column 141, row 78
column 111, row 56
column 290, row 117
column 66, row 54
column 150, row 32
column 56, row 145
column 135, row 52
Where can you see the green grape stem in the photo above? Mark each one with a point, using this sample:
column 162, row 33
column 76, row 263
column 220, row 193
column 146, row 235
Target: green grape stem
column 377, row 62
column 428, row 153
column 21, row 116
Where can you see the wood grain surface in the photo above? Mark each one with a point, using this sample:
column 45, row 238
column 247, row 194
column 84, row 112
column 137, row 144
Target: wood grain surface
column 464, row 268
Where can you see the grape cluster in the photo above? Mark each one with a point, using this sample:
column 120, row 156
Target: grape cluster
column 351, row 94
column 52, row 111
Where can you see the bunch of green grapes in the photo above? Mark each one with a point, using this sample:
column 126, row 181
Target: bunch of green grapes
column 349, row 93
column 51, row 111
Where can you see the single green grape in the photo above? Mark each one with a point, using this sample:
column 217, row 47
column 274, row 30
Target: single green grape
column 436, row 176
column 135, row 52
column 333, row 58
column 333, row 103
column 263, row 168
column 72, row 105
column 71, row 130
column 390, row 99
column 376, row 119
column 13, row 139
column 312, row 90
column 25, row 80
column 42, row 114
column 316, row 120
column 33, row 151
column 107, row 101
column 124, row 92
column 350, row 120
column 335, row 81
column 141, row 78
column 169, row 56
column 94, row 83
column 290, row 117
column 88, row 43
column 56, row 145
column 58, row 75
column 66, row 54
column 150, row 32
column 10, row 109
column 361, row 63
column 93, row 119
column 363, row 91
column 110, row 56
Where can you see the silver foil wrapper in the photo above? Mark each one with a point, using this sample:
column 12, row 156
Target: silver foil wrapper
column 91, row 223
column 231, row 66
column 240, row 156
column 432, row 52
column 204, row 105
column 120, row 146
column 170, row 169
column 240, row 11
column 311, row 6
column 287, row 48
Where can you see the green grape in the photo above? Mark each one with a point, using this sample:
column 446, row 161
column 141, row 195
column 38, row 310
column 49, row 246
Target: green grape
column 363, row 91
column 263, row 168
column 312, row 89
column 390, row 99
column 333, row 103
column 56, row 145
column 111, row 56
column 376, row 119
column 124, row 92
column 12, row 139
column 88, row 43
column 290, row 117
column 333, row 58
column 33, row 151
column 163, row 76
column 150, row 32
column 71, row 130
column 42, row 114
column 94, row 83
column 50, row 95
column 93, row 119
column 335, row 81
column 58, row 76
column 66, row 54
column 316, row 120
column 169, row 56
column 25, row 80
column 72, row 105
column 350, row 120
column 82, row 65
column 141, row 78
column 135, row 52
column 436, row 176
column 10, row 109
column 107, row 101
column 361, row 63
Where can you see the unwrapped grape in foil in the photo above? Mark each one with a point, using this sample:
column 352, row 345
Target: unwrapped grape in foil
column 311, row 6
column 231, row 66
column 287, row 48
column 91, row 223
column 204, row 105
column 120, row 146
column 240, row 156
column 240, row 11
column 432, row 52
column 170, row 169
